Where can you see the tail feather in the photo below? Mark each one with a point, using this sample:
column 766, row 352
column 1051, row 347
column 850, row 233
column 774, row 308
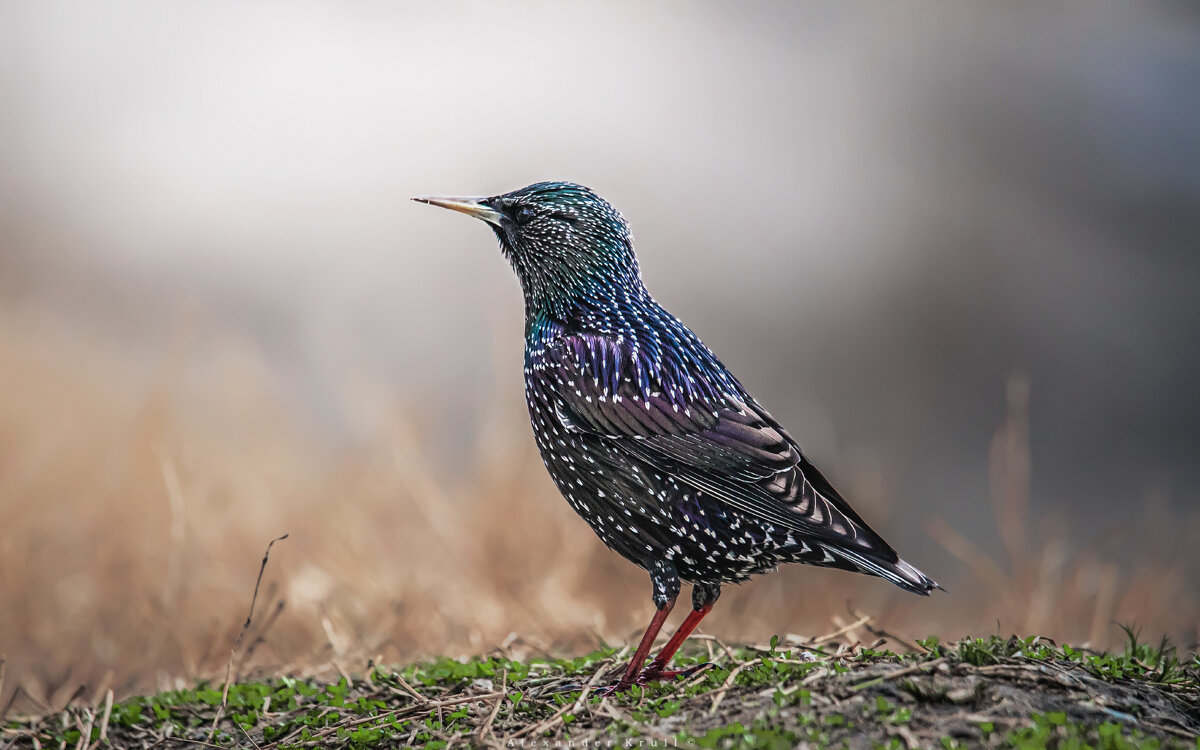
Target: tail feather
column 899, row 572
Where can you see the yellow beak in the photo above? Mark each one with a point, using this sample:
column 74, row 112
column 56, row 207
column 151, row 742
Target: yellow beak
column 468, row 206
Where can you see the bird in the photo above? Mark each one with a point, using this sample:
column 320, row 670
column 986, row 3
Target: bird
column 647, row 435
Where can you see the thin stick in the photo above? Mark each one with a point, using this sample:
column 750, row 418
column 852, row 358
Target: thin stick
column 898, row 673
column 212, row 733
column 188, row 740
column 420, row 699
column 42, row 706
column 85, row 735
column 705, row 637
column 863, row 620
column 486, row 729
column 108, row 701
column 720, row 692
column 262, row 632
column 345, row 675
column 905, row 641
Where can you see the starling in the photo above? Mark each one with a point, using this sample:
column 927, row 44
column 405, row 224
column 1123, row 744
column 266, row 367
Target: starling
column 648, row 436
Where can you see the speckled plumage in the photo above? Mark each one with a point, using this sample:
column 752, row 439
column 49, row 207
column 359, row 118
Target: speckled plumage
column 647, row 435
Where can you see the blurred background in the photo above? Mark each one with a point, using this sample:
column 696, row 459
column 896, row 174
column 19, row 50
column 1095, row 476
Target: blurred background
column 953, row 248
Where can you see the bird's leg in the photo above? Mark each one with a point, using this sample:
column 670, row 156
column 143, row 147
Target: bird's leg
column 703, row 598
column 657, row 669
column 665, row 581
column 634, row 669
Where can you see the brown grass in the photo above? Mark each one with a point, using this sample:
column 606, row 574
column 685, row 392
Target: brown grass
column 134, row 512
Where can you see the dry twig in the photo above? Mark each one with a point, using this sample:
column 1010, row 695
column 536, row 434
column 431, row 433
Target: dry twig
column 245, row 626
column 108, row 704
column 719, row 693
column 486, row 729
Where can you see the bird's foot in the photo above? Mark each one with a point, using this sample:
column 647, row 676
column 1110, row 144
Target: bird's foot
column 655, row 673
column 652, row 673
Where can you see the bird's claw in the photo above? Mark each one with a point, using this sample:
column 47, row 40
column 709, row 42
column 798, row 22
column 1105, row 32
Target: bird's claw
column 656, row 672
column 652, row 673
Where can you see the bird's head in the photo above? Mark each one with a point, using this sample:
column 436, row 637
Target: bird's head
column 566, row 243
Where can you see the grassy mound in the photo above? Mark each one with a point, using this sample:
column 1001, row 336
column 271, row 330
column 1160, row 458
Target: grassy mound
column 1014, row 693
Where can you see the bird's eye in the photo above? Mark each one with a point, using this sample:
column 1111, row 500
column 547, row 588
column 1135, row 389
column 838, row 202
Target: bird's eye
column 525, row 214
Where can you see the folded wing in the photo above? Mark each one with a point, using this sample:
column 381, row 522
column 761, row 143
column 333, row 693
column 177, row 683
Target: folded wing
column 693, row 421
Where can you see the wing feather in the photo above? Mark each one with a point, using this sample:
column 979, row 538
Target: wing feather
column 715, row 439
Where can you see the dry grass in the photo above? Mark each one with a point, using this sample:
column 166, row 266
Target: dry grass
column 134, row 512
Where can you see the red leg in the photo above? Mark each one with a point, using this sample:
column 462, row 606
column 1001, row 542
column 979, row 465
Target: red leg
column 643, row 650
column 659, row 665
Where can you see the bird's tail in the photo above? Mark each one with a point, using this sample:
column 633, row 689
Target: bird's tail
column 899, row 572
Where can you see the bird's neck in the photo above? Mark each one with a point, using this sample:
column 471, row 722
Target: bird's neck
column 597, row 304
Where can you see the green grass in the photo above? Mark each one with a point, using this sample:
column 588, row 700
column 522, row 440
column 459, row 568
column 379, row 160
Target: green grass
column 989, row 692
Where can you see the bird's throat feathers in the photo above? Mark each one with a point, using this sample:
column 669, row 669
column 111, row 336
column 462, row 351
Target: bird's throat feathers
column 563, row 281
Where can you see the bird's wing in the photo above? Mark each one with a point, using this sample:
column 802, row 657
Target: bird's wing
column 712, row 437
